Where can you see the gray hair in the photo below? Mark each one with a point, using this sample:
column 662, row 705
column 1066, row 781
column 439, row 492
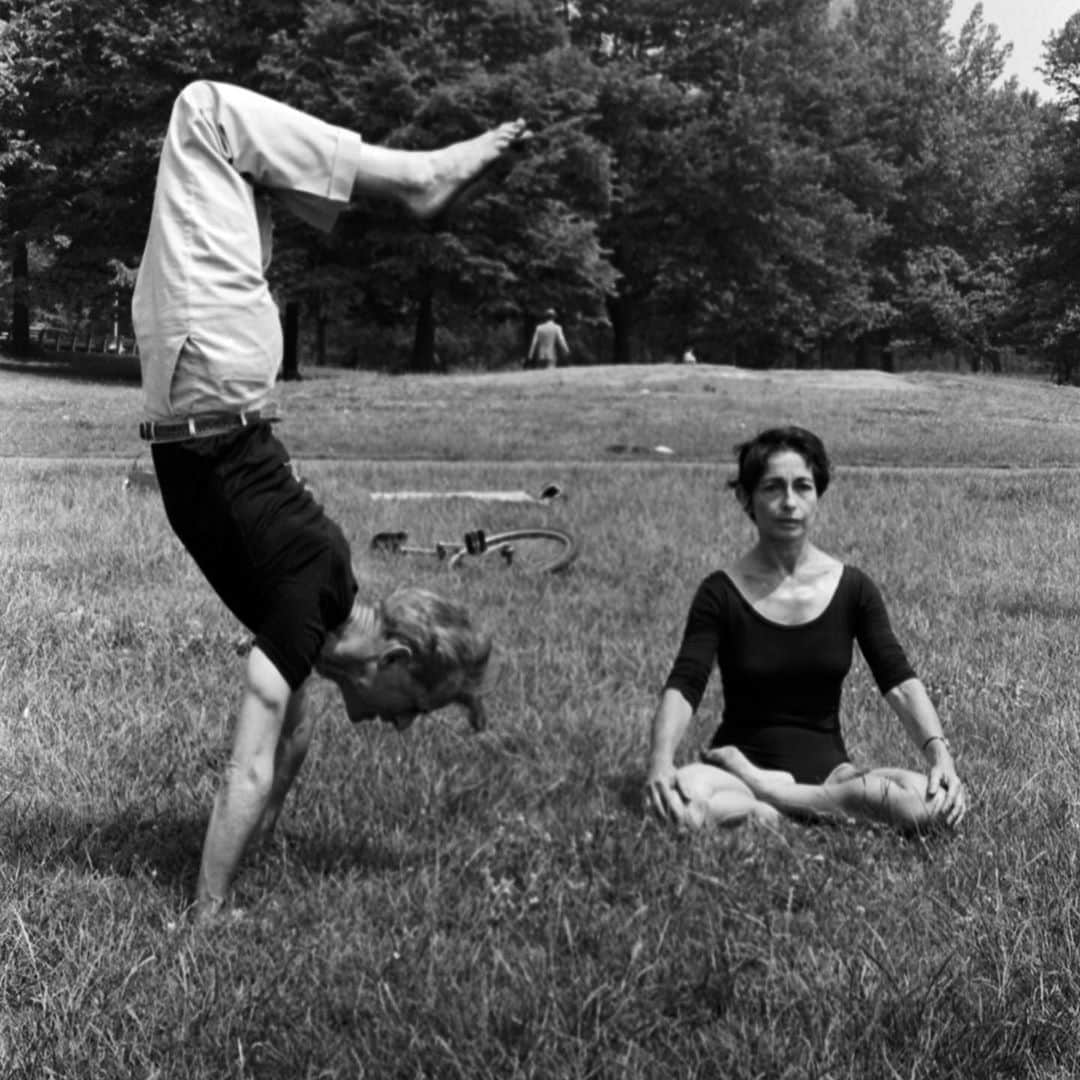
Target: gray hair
column 449, row 654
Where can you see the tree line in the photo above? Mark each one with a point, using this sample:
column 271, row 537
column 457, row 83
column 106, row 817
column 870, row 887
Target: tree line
column 766, row 179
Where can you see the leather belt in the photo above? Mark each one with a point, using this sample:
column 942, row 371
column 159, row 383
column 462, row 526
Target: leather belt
column 202, row 425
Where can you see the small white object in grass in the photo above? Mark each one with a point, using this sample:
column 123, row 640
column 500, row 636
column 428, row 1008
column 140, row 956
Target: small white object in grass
column 663, row 450
column 548, row 493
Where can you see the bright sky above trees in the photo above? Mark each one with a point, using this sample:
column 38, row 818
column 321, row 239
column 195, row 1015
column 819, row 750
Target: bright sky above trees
column 1026, row 25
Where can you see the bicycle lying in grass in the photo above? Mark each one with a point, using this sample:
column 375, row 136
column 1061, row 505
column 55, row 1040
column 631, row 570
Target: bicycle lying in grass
column 538, row 550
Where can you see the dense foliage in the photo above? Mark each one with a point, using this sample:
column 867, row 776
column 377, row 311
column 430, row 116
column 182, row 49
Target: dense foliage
column 766, row 178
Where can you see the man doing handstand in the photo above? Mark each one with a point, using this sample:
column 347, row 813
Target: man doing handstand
column 210, row 346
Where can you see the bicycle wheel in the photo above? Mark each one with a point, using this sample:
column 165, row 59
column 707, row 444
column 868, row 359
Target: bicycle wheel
column 527, row 551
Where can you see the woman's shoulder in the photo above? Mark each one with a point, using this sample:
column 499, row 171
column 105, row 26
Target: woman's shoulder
column 717, row 592
column 857, row 583
column 717, row 582
column 856, row 574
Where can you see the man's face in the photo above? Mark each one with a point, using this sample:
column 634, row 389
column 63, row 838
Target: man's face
column 390, row 692
column 385, row 690
column 375, row 676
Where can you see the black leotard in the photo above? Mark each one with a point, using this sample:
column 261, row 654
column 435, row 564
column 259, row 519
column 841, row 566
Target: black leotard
column 782, row 684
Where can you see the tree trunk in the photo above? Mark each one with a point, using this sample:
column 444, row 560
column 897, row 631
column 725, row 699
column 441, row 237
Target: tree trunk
column 320, row 338
column 290, row 359
column 20, row 296
column 862, row 351
column 423, row 352
column 318, row 309
column 618, row 310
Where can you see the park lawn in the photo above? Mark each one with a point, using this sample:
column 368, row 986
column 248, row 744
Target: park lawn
column 444, row 904
column 578, row 414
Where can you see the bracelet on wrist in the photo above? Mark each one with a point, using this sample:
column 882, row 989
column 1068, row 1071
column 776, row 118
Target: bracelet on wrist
column 938, row 738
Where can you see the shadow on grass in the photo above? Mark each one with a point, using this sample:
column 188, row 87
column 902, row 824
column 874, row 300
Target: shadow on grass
column 167, row 849
column 75, row 367
column 53, row 839
column 340, row 855
column 629, row 791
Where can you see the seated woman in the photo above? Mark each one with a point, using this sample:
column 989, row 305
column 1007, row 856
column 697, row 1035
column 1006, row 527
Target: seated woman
column 780, row 624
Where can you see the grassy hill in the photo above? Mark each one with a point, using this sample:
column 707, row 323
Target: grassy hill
column 577, row 414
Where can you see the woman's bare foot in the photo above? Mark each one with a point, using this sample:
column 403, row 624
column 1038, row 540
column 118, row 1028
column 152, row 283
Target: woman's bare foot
column 763, row 814
column 455, row 169
column 734, row 761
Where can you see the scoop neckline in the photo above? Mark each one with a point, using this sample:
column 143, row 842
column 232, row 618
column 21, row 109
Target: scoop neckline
column 780, row 625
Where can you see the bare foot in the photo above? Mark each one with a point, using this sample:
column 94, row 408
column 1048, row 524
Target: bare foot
column 457, row 168
column 734, row 761
column 693, row 815
column 763, row 814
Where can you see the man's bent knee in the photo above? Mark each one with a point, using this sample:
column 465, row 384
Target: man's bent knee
column 198, row 93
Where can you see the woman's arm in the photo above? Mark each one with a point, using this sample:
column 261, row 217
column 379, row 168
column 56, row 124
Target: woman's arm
column 907, row 697
column 911, row 703
column 670, row 721
column 682, row 694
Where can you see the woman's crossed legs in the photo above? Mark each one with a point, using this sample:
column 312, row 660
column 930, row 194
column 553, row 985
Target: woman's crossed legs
column 727, row 789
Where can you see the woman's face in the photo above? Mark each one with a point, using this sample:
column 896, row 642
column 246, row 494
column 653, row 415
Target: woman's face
column 784, row 503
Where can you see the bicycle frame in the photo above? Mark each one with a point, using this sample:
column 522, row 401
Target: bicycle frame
column 556, row 551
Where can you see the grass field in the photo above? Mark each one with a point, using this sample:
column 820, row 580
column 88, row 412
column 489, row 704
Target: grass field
column 448, row 905
column 576, row 414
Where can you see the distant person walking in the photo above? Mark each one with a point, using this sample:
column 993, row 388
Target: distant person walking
column 548, row 343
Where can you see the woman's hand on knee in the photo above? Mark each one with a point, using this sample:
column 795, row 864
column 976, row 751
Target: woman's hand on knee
column 664, row 798
column 946, row 794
